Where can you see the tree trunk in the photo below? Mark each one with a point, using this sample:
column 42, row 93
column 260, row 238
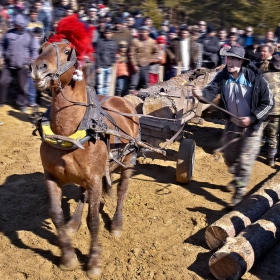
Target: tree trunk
column 249, row 211
column 239, row 254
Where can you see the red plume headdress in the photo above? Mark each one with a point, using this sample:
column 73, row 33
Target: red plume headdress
column 78, row 34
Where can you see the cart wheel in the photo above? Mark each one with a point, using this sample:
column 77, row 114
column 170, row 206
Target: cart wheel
column 185, row 161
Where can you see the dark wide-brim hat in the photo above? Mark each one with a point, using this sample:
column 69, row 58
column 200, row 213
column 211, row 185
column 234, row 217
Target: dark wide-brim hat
column 276, row 61
column 235, row 51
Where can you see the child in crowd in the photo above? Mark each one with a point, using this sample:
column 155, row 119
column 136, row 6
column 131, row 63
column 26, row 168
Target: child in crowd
column 154, row 68
column 122, row 69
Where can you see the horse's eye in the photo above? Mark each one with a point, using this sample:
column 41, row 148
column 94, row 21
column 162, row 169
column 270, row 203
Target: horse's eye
column 66, row 52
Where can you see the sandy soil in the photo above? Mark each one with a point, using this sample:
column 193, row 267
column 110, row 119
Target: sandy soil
column 164, row 224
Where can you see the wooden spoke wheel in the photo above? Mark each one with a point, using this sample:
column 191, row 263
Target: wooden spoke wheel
column 185, row 161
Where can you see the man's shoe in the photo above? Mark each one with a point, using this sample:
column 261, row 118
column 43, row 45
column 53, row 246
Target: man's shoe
column 231, row 186
column 237, row 197
column 271, row 162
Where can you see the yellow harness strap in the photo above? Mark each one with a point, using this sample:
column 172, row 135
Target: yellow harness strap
column 78, row 135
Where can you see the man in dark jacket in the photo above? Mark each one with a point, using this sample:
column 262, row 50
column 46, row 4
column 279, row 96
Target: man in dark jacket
column 60, row 10
column 211, row 47
column 120, row 33
column 105, row 57
column 42, row 16
column 19, row 48
column 245, row 94
column 185, row 51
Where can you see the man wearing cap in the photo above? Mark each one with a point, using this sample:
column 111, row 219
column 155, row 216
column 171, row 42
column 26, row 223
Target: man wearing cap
column 105, row 57
column 92, row 16
column 248, row 38
column 211, row 47
column 143, row 52
column 246, row 95
column 60, row 10
column 120, row 33
column 19, row 48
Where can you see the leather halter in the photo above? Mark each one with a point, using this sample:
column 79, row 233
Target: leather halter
column 62, row 68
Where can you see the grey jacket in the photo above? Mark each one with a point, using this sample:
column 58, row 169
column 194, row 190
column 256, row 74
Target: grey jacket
column 19, row 48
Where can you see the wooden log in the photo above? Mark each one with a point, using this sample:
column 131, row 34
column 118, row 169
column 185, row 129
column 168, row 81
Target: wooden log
column 239, row 254
column 136, row 102
column 247, row 212
column 159, row 107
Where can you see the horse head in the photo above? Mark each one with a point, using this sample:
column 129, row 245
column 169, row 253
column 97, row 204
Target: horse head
column 55, row 65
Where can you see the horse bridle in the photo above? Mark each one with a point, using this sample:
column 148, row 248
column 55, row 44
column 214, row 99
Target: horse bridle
column 62, row 68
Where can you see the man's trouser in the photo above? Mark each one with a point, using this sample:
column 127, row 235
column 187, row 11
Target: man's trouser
column 242, row 145
column 22, row 77
column 103, row 80
column 141, row 76
column 272, row 130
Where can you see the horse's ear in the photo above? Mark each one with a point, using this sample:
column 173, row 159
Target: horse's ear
column 72, row 54
column 42, row 47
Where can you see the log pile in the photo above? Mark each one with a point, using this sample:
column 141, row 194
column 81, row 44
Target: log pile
column 163, row 99
column 244, row 235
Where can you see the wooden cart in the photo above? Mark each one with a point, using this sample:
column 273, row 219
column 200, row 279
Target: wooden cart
column 157, row 130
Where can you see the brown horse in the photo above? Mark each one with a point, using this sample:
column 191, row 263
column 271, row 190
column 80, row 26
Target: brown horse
column 86, row 167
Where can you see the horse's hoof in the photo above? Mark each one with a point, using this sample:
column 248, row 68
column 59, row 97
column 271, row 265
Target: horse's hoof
column 94, row 272
column 71, row 264
column 116, row 232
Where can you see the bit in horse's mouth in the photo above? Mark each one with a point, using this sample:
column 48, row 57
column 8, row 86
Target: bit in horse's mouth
column 43, row 82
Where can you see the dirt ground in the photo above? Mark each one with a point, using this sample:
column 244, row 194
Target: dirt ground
column 164, row 222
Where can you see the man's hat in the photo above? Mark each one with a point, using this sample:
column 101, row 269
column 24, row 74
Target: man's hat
column 118, row 20
column 276, row 61
column 173, row 30
column 210, row 28
column 235, row 51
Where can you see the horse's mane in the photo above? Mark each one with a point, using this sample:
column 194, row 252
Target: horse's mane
column 77, row 33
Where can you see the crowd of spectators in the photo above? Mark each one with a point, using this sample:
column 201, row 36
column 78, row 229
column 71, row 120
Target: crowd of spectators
column 128, row 40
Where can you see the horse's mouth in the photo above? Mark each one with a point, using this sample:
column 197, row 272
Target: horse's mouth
column 42, row 83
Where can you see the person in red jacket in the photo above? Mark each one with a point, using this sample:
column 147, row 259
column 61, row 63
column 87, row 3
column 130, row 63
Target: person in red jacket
column 122, row 69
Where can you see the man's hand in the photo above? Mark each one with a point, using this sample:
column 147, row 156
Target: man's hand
column 98, row 71
column 245, row 121
column 135, row 68
column 196, row 92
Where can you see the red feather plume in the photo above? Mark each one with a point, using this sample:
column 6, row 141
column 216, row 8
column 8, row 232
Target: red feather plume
column 78, row 34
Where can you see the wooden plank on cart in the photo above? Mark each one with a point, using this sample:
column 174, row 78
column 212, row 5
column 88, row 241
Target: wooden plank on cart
column 113, row 80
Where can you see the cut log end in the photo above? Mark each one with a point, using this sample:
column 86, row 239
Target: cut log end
column 225, row 266
column 215, row 237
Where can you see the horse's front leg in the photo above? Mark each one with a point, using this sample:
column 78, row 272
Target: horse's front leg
column 74, row 223
column 94, row 196
column 117, row 222
column 68, row 259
